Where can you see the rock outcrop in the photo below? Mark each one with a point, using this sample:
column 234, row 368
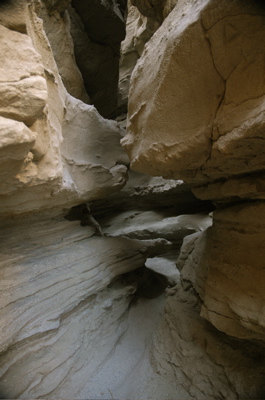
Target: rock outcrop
column 183, row 124
column 225, row 265
column 196, row 111
column 44, row 127
column 92, row 304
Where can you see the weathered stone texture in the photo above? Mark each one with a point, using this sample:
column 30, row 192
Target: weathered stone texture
column 82, row 306
column 139, row 30
column 225, row 265
column 33, row 92
column 50, row 284
column 23, row 89
column 183, row 124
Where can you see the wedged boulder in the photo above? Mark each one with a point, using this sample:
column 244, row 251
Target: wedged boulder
column 94, row 158
column 154, row 224
column 206, row 123
column 225, row 265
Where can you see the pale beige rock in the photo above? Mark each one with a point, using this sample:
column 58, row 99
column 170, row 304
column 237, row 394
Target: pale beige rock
column 251, row 186
column 184, row 125
column 23, row 89
column 143, row 20
column 46, row 178
column 225, row 265
column 57, row 27
column 139, row 30
column 13, row 15
column 144, row 193
column 16, row 140
column 92, row 152
column 169, row 115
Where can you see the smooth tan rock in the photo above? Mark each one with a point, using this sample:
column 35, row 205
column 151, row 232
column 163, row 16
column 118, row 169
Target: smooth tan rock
column 139, row 30
column 45, row 178
column 251, row 186
column 206, row 125
column 23, row 89
column 225, row 265
column 16, row 140
column 153, row 224
column 13, row 15
column 57, row 28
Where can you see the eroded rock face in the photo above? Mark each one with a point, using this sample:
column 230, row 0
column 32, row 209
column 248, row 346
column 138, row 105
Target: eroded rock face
column 82, row 306
column 52, row 283
column 143, row 20
column 183, row 124
column 42, row 171
column 57, row 27
column 207, row 128
column 225, row 265
column 23, row 88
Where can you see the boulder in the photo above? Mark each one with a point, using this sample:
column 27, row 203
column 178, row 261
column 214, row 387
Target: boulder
column 23, row 89
column 207, row 125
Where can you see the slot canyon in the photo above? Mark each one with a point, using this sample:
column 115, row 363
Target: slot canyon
column 132, row 199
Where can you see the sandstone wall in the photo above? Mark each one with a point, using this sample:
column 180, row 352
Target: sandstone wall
column 196, row 112
column 41, row 167
column 97, row 308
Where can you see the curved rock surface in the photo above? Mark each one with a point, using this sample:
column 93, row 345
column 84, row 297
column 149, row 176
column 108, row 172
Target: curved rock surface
column 225, row 265
column 50, row 174
column 183, row 124
column 92, row 304
column 51, row 282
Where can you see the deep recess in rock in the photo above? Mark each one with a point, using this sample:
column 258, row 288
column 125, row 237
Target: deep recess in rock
column 116, row 284
column 97, row 51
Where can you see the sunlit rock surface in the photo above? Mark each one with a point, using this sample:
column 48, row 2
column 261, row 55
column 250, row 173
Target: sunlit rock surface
column 50, row 173
column 183, row 124
column 92, row 304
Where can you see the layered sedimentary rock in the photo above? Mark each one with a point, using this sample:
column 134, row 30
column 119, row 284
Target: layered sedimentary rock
column 225, row 265
column 53, row 303
column 82, row 304
column 208, row 129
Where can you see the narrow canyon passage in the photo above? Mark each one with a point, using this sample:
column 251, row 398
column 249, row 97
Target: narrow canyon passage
column 132, row 211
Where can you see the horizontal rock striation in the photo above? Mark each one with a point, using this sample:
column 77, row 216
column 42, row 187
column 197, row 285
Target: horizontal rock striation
column 53, row 281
